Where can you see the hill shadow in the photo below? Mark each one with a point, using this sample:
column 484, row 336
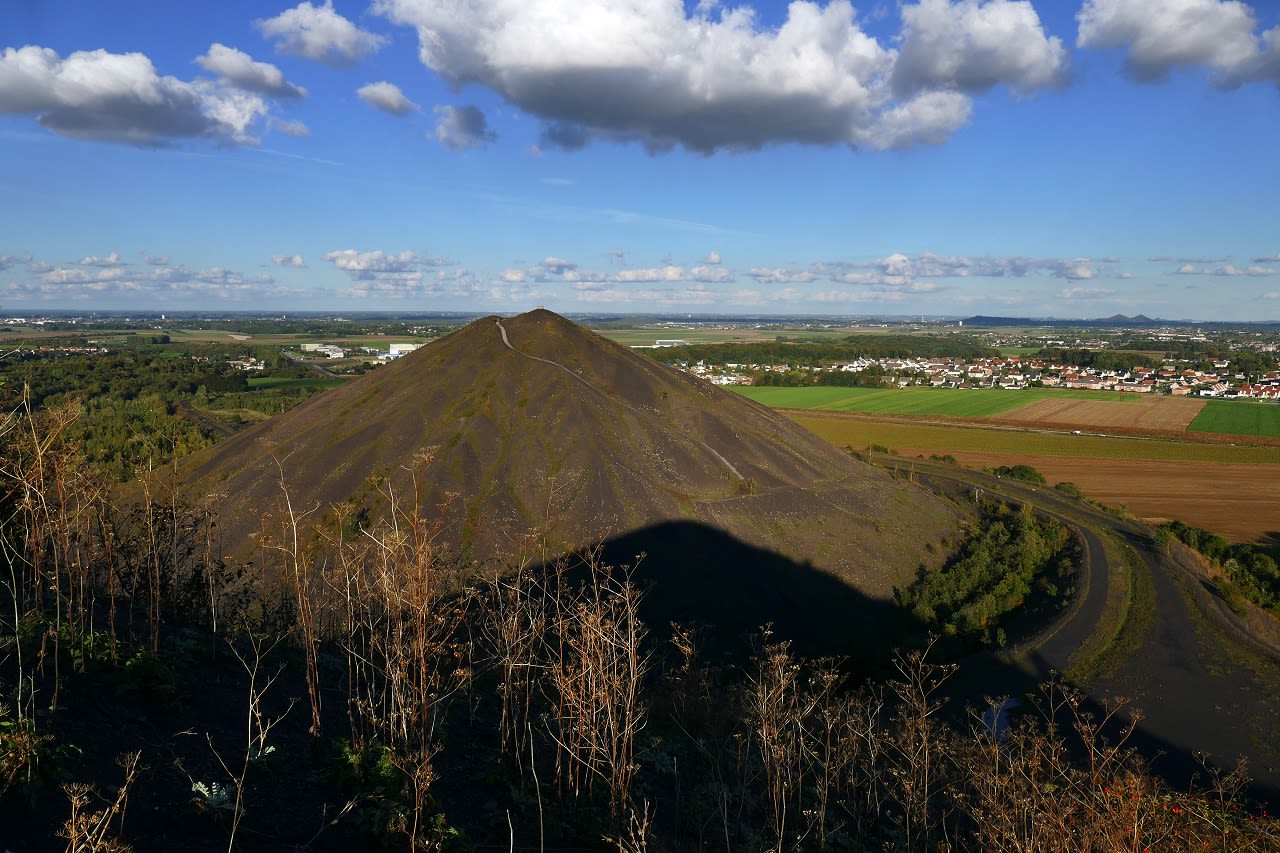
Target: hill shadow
column 699, row 575
column 1176, row 764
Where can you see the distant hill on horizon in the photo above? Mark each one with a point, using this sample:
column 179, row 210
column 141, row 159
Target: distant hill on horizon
column 1116, row 321
column 539, row 430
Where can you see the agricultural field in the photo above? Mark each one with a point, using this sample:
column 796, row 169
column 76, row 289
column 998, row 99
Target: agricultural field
column 1038, row 407
column 1139, row 411
column 1238, row 417
column 646, row 336
column 710, row 334
column 1227, row 489
column 944, row 402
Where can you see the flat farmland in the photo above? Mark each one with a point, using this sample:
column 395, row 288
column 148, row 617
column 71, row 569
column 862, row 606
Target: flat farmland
column 1238, row 417
column 944, row 402
column 1049, row 408
column 1228, row 489
column 1141, row 411
column 1236, row 500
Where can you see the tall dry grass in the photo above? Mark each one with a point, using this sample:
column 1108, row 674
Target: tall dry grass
column 672, row 751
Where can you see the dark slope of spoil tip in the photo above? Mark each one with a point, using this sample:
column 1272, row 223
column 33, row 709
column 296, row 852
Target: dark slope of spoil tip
column 540, row 432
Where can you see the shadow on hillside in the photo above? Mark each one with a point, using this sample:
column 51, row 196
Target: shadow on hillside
column 694, row 574
column 698, row 575
column 1176, row 764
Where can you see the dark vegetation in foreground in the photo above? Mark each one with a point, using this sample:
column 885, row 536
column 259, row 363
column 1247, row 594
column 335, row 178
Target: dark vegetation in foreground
column 378, row 692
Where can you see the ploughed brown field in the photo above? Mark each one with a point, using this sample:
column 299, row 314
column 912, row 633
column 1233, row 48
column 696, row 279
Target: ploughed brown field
column 1238, row 501
column 1147, row 412
column 1165, row 477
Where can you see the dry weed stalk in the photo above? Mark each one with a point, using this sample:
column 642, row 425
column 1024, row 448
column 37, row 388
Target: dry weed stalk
column 820, row 745
column 919, row 747
column 307, row 585
column 596, row 678
column 88, row 831
column 514, row 632
column 49, row 541
column 773, row 707
column 407, row 651
column 258, row 725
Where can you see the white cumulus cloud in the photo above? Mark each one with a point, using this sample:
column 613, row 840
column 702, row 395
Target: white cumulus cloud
column 710, row 274
column 1227, row 270
column 111, row 260
column 119, row 97
column 157, row 286
column 394, row 275
column 556, row 266
column 765, row 275
column 238, row 69
column 653, row 274
column 319, row 33
column 718, row 78
column 973, row 46
column 288, row 261
column 1163, row 35
column 460, row 128
column 386, row 97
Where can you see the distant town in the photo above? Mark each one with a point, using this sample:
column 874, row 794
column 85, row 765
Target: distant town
column 1016, row 372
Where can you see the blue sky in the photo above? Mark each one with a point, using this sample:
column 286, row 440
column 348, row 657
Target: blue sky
column 1079, row 158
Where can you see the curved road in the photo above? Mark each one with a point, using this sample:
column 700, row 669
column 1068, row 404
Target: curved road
column 1053, row 646
column 1202, row 681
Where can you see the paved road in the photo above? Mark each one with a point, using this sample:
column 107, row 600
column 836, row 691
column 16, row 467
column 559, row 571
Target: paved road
column 311, row 365
column 203, row 421
column 1201, row 679
column 1052, row 648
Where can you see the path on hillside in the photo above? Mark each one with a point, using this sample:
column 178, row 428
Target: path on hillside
column 507, row 342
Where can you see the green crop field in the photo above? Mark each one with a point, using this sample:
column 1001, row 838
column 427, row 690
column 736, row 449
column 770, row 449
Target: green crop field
column 948, row 402
column 265, row 382
column 800, row 398
column 1238, row 417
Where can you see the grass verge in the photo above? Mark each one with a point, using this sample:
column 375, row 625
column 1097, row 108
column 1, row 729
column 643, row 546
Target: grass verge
column 1126, row 620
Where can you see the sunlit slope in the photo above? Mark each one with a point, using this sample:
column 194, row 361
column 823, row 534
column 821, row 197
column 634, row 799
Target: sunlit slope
column 559, row 437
